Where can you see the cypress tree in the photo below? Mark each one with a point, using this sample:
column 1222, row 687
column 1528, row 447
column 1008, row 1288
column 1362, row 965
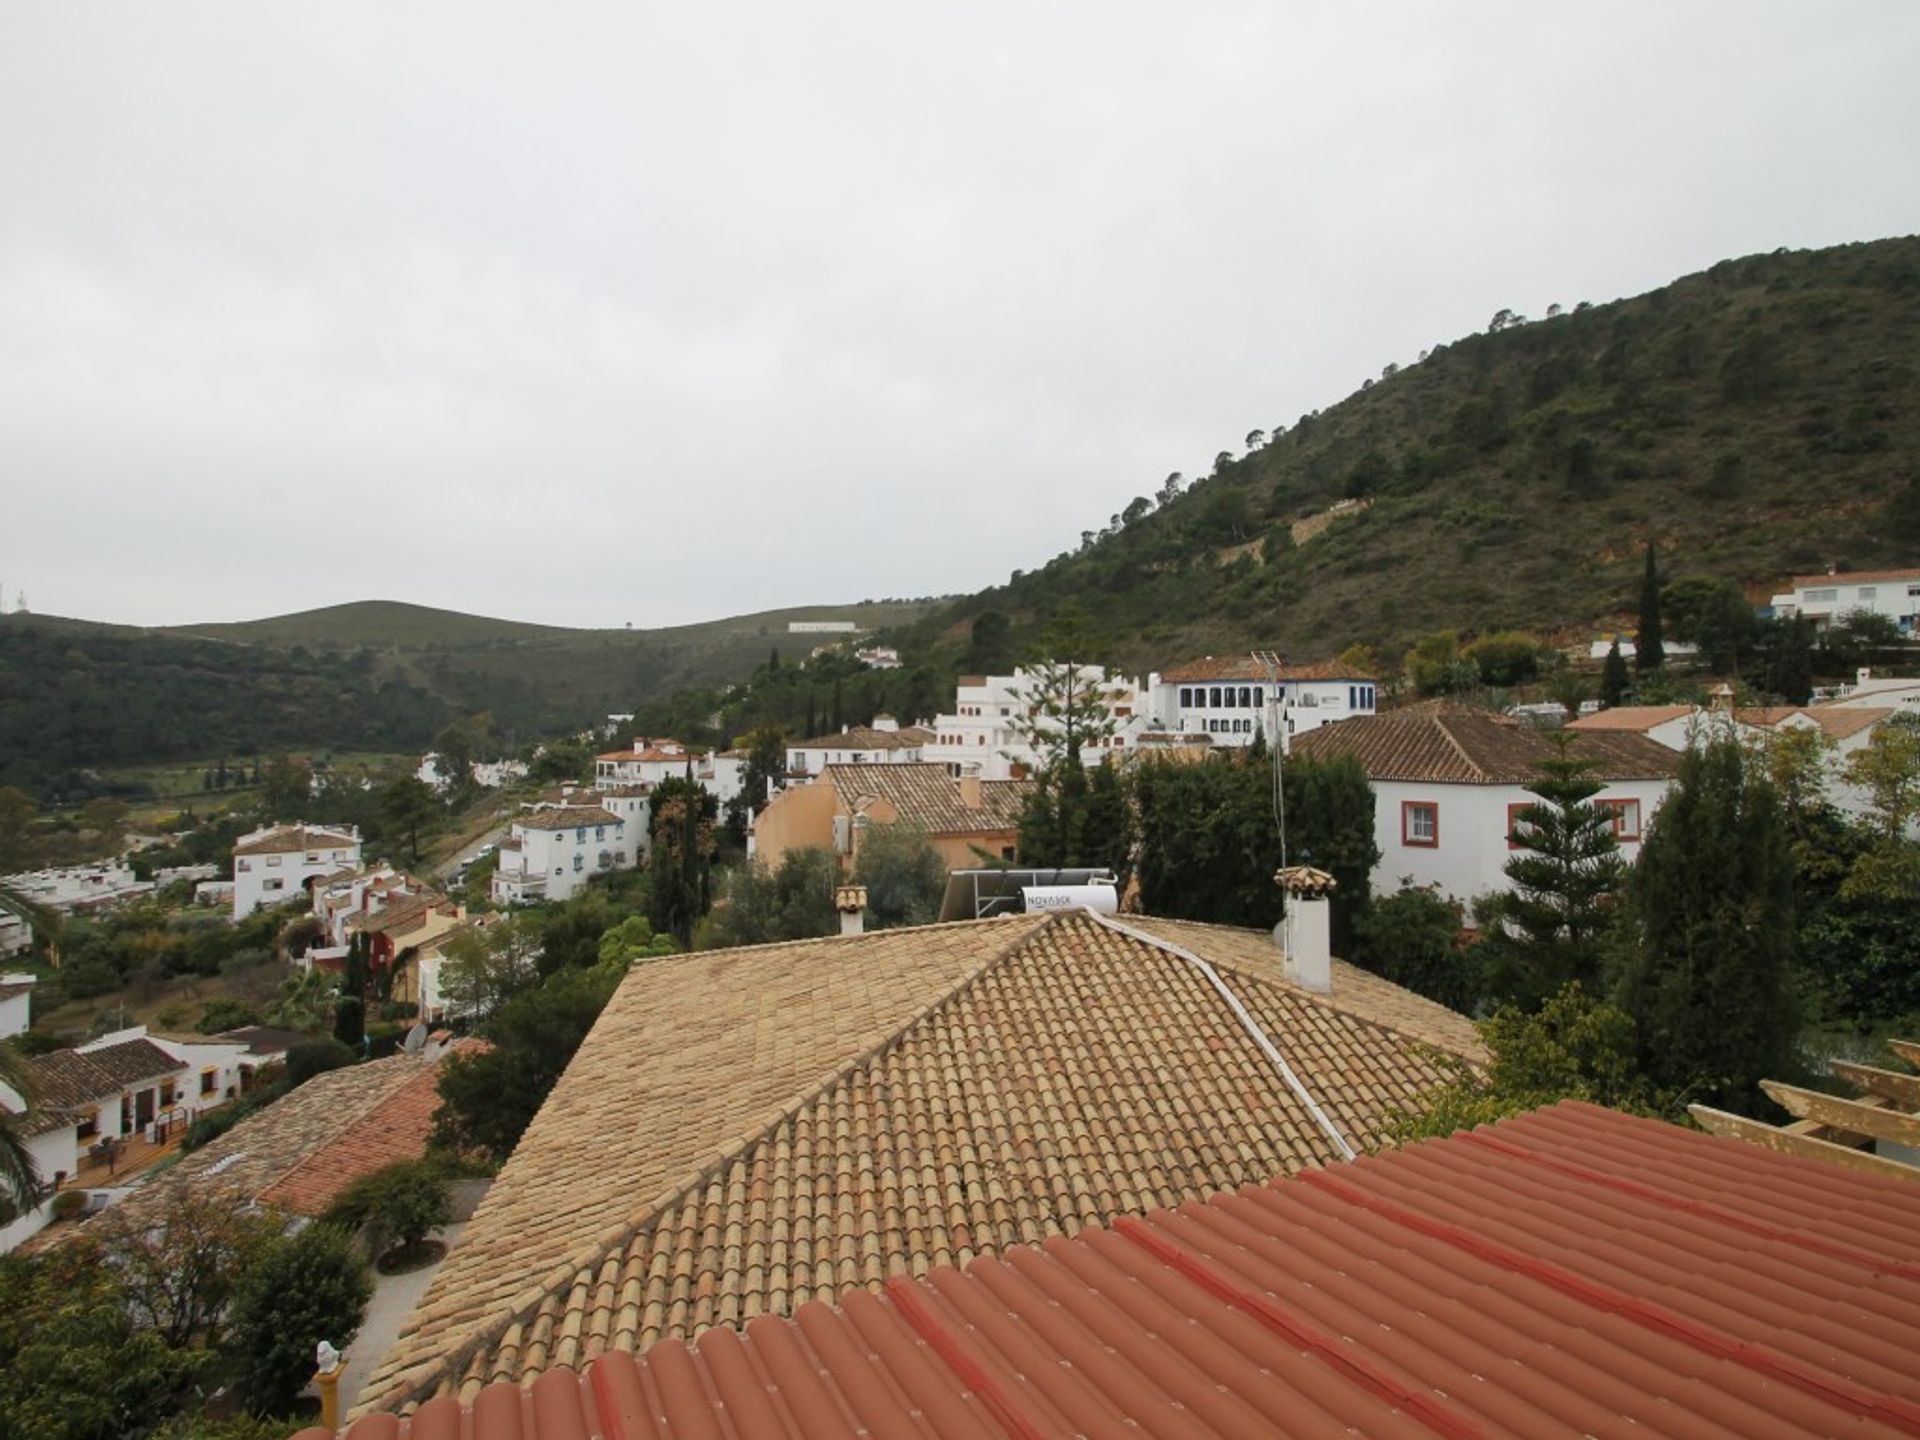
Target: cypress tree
column 1613, row 677
column 1548, row 928
column 1706, row 974
column 1649, row 649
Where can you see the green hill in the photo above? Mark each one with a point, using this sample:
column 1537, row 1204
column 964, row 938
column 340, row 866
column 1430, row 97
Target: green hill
column 378, row 675
column 1758, row 419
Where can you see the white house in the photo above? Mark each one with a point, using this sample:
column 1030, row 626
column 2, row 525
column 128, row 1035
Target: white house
column 878, row 657
column 551, row 853
column 651, row 761
column 16, row 935
column 275, row 863
column 1449, row 780
column 1235, row 698
column 987, row 733
column 75, row 889
column 487, row 774
column 1823, row 599
column 885, row 742
column 1673, row 726
column 16, row 1004
column 1871, row 691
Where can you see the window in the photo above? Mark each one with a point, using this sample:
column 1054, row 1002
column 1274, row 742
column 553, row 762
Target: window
column 275, row 883
column 1514, row 824
column 579, row 863
column 273, row 859
column 1626, row 818
column 1419, row 823
column 1259, row 696
column 599, row 832
column 243, row 866
column 208, row 1079
column 1213, row 697
column 1822, row 597
column 1867, row 592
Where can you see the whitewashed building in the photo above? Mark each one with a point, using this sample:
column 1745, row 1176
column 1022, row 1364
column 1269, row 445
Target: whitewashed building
column 987, row 735
column 76, row 889
column 487, row 774
column 16, row 1004
column 1235, row 698
column 1449, row 781
column 275, row 863
column 649, row 762
column 16, row 935
column 552, row 852
column 885, row 742
column 1823, row 599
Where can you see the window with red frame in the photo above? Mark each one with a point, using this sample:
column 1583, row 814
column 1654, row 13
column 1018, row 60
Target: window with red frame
column 1514, row 824
column 1420, row 823
column 1626, row 817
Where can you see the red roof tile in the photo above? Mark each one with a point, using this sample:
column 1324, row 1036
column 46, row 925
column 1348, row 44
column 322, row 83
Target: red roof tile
column 1571, row 1272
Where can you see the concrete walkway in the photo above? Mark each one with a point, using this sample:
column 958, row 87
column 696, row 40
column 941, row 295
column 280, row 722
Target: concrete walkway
column 394, row 1297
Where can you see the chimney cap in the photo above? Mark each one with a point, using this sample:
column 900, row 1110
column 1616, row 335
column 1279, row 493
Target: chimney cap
column 850, row 899
column 1305, row 880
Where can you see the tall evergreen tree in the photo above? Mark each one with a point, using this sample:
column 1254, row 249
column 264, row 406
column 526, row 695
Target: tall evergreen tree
column 1649, row 647
column 1613, row 677
column 680, row 869
column 1706, row 974
column 1547, row 929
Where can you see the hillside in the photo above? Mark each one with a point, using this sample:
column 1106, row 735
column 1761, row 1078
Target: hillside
column 377, row 675
column 1754, row 420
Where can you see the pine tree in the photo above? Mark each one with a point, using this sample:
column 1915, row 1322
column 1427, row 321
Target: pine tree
column 1613, row 677
column 1706, row 974
column 1547, row 929
column 1649, row 649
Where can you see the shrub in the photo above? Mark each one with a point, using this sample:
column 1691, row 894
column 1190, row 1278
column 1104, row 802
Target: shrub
column 315, row 1057
column 390, row 1010
column 306, row 1288
column 226, row 1013
column 1506, row 658
column 69, row 1205
column 397, row 1204
column 1413, row 939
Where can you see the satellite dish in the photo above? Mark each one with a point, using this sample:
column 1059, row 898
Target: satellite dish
column 416, row 1038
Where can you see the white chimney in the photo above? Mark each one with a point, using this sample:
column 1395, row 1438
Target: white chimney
column 851, row 902
column 1306, row 934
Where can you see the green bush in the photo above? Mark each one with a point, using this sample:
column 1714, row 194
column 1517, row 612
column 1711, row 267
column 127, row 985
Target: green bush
column 226, row 1013
column 315, row 1057
column 69, row 1205
column 1413, row 939
column 306, row 1288
column 397, row 1204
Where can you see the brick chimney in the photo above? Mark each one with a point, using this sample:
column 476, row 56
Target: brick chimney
column 970, row 792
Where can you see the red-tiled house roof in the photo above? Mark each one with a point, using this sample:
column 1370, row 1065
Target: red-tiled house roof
column 1573, row 1272
column 1444, row 743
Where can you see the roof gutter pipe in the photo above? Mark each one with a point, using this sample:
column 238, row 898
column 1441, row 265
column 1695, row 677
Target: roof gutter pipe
column 1247, row 1023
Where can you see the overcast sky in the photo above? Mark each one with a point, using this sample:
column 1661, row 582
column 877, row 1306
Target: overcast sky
column 596, row 313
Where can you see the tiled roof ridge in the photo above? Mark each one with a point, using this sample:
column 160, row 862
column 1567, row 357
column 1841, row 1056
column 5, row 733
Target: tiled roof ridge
column 427, row 1068
column 459, row 1351
column 1440, row 719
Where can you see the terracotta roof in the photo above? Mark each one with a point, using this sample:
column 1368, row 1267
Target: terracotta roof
column 42, row 1120
column 1245, row 667
column 304, row 1147
column 864, row 737
column 1840, row 723
column 637, row 790
column 746, row 1130
column 566, row 817
column 1641, row 718
column 653, row 754
column 284, row 839
column 17, row 988
column 1572, row 1272
column 405, row 915
column 1852, row 577
column 1443, row 743
column 927, row 797
column 1765, row 717
column 67, row 1079
column 131, row 1062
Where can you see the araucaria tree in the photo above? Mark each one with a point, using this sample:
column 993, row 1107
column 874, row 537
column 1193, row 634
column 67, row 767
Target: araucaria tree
column 1710, row 912
column 1649, row 647
column 1566, row 867
column 1069, row 698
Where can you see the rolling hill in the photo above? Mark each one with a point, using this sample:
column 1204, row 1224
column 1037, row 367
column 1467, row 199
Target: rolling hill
column 1754, row 420
column 376, row 675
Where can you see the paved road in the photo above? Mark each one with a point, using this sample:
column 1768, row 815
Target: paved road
column 394, row 1297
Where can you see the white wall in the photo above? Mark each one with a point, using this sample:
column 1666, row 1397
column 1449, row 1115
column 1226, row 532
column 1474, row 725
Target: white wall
column 53, row 1154
column 1472, row 852
column 275, row 879
column 15, row 1010
column 565, row 859
column 1214, row 708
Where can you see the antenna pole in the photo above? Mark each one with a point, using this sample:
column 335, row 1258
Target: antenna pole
column 1277, row 705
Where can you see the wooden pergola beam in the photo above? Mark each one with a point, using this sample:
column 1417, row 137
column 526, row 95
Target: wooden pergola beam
column 1907, row 1050
column 1903, row 1090
column 1738, row 1127
column 1875, row 1120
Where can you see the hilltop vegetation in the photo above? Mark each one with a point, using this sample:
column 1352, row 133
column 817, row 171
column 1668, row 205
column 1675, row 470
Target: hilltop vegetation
column 1758, row 419
column 76, row 697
